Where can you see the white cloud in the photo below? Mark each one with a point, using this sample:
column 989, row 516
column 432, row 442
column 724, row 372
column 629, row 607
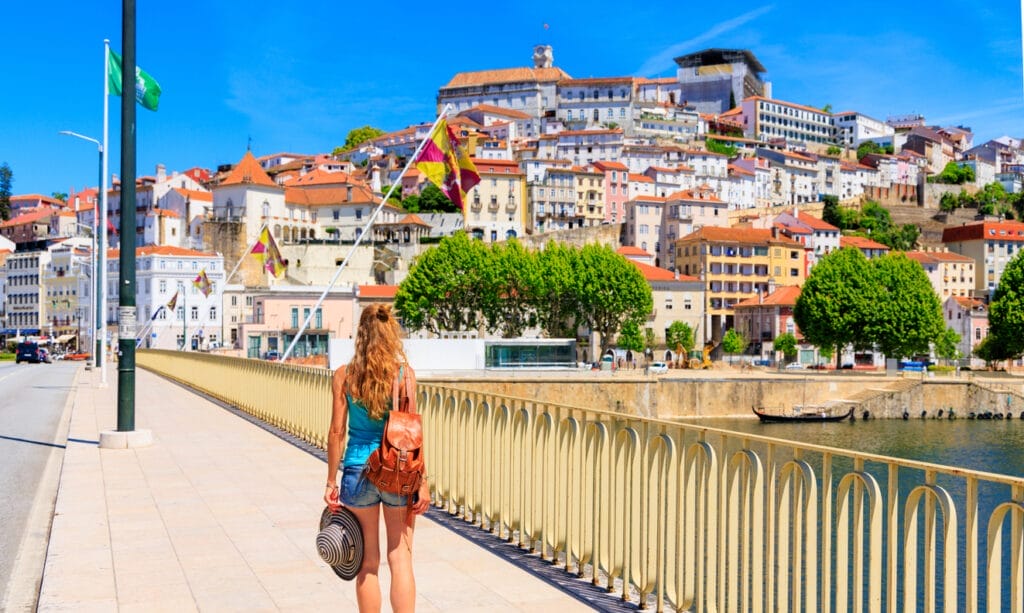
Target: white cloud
column 664, row 59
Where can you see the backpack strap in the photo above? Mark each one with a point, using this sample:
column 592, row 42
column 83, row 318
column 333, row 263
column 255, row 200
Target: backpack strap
column 398, row 403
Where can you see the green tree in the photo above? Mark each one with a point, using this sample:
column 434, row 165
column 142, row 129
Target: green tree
column 716, row 146
column 555, row 300
column 6, row 179
column 827, row 108
column 834, row 150
column 610, row 290
column 948, row 202
column 1006, row 312
column 508, row 280
column 954, row 174
column 836, row 300
column 679, row 334
column 630, row 337
column 906, row 316
column 358, row 136
column 441, row 292
column 831, row 213
column 868, row 146
column 62, row 196
column 786, row 343
column 733, row 341
column 946, row 345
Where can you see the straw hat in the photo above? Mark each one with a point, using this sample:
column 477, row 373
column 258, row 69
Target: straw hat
column 340, row 542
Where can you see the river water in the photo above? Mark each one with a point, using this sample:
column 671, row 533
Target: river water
column 994, row 446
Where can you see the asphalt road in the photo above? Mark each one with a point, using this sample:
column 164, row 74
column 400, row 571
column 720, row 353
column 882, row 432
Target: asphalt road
column 32, row 401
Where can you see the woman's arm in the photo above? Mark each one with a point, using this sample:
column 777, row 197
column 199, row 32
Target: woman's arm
column 423, row 495
column 336, row 435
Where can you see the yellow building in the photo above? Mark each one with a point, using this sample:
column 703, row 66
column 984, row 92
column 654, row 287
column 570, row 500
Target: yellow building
column 496, row 208
column 736, row 264
column 589, row 195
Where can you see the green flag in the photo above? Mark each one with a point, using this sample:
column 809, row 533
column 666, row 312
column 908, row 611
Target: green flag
column 147, row 90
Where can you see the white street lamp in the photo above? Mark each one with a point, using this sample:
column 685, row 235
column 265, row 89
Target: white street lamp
column 100, row 255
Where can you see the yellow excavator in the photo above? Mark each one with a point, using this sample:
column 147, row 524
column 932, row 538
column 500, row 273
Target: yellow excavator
column 701, row 358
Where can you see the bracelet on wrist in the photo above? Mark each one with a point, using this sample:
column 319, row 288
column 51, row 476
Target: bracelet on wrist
column 333, row 486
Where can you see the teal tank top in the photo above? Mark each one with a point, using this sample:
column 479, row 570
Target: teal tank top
column 364, row 434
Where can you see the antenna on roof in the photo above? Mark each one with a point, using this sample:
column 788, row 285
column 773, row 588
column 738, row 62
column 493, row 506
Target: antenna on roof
column 248, row 144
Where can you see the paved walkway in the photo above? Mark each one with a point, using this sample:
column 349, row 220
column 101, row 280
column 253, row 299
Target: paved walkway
column 221, row 515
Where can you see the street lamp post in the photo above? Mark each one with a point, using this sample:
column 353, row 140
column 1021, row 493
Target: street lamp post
column 99, row 261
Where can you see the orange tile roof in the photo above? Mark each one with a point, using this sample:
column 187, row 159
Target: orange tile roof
column 610, row 165
column 653, row 273
column 497, row 167
column 318, row 176
column 985, row 230
column 193, row 194
column 497, row 110
column 167, row 250
column 378, row 291
column 628, row 250
column 646, row 198
column 29, row 217
column 165, row 213
column 506, row 75
column 327, row 196
column 248, row 171
column 640, row 178
column 688, row 195
column 782, row 296
column 860, row 242
column 969, row 303
column 815, row 223
column 738, row 235
column 413, row 219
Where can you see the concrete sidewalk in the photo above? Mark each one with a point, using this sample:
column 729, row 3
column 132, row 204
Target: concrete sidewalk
column 221, row 515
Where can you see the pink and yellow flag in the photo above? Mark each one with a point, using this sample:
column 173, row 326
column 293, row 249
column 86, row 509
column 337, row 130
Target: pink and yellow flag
column 202, row 283
column 173, row 302
column 270, row 257
column 445, row 162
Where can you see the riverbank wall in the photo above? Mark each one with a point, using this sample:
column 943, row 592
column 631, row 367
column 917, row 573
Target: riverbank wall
column 699, row 394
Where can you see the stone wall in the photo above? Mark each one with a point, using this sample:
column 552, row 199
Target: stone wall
column 604, row 234
column 698, row 396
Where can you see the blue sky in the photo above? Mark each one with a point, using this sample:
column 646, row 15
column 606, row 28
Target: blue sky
column 297, row 76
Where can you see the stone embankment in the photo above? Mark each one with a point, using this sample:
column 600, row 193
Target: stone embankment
column 705, row 394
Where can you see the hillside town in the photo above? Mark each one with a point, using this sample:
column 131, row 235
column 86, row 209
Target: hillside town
column 713, row 185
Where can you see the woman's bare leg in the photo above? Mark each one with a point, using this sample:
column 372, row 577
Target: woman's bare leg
column 403, row 585
column 367, row 581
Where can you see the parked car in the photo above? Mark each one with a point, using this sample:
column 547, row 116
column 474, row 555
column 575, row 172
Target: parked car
column 847, row 366
column 44, row 356
column 272, row 355
column 795, row 366
column 27, row 352
column 658, row 368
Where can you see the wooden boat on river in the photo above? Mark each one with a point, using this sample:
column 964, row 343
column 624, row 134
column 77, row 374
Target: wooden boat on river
column 804, row 414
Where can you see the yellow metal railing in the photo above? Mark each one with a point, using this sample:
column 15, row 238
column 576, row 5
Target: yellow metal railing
column 682, row 517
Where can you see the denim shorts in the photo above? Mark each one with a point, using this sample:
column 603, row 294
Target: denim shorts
column 358, row 492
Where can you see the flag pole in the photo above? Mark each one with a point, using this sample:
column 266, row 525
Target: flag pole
column 101, row 318
column 366, row 228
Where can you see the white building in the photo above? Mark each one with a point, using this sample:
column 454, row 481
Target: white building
column 584, row 147
column 597, row 103
column 767, row 120
column 530, row 90
column 161, row 273
column 853, row 128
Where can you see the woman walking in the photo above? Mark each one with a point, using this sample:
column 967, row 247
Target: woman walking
column 362, row 395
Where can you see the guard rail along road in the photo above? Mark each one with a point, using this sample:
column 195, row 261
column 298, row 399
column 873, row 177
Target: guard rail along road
column 682, row 517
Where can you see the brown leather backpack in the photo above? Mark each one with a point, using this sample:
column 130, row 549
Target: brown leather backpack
column 397, row 466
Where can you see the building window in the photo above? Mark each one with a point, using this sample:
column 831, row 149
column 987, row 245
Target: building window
column 163, row 286
column 295, row 317
column 195, row 313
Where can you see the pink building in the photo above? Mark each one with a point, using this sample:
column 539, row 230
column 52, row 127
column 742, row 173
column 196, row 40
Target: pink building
column 280, row 313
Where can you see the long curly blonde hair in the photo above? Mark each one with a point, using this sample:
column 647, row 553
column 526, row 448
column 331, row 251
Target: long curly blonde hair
column 379, row 353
